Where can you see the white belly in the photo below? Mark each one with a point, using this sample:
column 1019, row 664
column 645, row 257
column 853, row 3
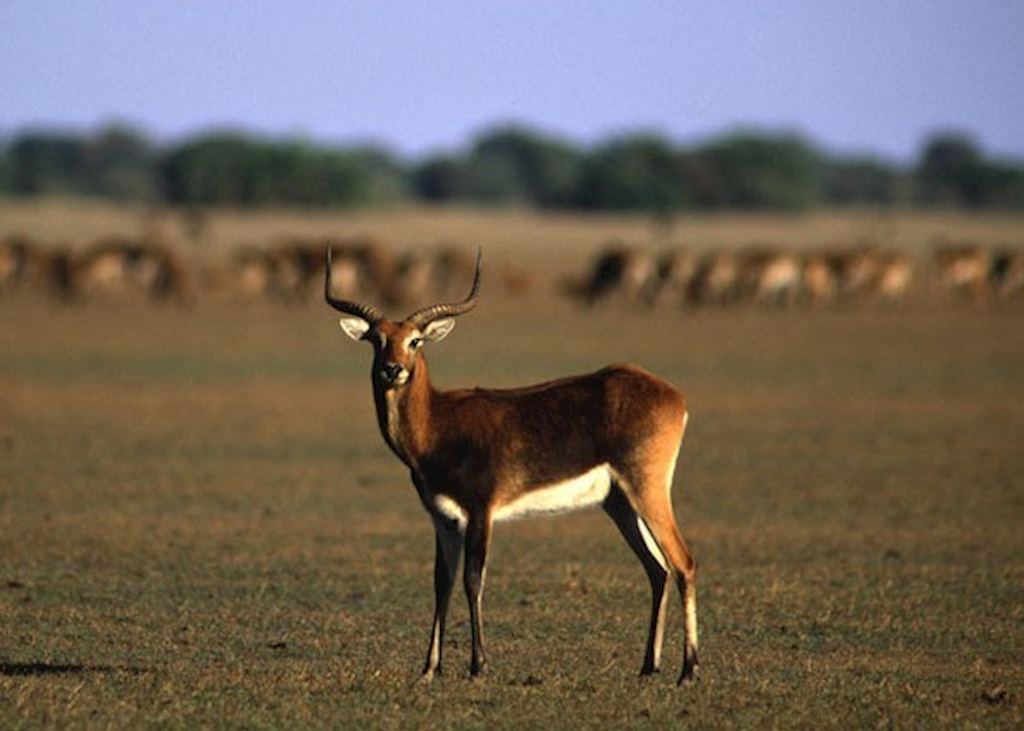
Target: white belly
column 451, row 510
column 590, row 488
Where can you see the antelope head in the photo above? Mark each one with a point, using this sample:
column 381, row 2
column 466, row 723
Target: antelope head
column 397, row 345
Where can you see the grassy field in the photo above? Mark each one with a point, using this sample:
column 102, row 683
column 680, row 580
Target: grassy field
column 507, row 234
column 201, row 526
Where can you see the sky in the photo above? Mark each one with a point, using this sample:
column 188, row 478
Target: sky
column 872, row 76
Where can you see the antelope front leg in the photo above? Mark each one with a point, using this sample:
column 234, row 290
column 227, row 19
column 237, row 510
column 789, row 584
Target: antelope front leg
column 446, row 565
column 478, row 534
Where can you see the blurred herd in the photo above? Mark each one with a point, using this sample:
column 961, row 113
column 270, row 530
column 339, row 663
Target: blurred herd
column 292, row 271
column 766, row 275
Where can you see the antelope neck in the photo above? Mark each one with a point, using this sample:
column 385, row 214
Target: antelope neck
column 404, row 413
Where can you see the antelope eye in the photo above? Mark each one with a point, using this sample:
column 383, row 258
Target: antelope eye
column 415, row 343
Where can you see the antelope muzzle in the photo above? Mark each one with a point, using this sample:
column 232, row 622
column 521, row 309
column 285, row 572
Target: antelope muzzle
column 393, row 374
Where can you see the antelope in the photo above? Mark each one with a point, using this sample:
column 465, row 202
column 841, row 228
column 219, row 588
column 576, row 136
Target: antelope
column 769, row 276
column 15, row 254
column 818, row 279
column 856, row 270
column 481, row 456
column 1007, row 272
column 119, row 265
column 895, row 274
column 716, row 280
column 453, row 265
column 621, row 271
column 23, row 264
column 675, row 270
column 965, row 269
column 412, row 279
column 251, row 272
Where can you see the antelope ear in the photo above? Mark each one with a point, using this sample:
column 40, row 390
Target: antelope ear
column 354, row 327
column 438, row 329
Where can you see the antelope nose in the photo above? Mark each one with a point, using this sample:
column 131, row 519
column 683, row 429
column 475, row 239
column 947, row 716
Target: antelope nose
column 391, row 372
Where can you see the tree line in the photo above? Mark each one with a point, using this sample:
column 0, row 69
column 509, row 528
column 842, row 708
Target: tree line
column 507, row 165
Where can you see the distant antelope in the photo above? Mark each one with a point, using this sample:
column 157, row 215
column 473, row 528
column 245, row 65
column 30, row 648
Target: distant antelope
column 964, row 269
column 769, row 276
column 293, row 267
column 1007, row 272
column 15, row 253
column 453, row 267
column 894, row 277
column 716, row 280
column 856, row 270
column 250, row 272
column 817, row 279
column 412, row 279
column 620, row 271
column 477, row 456
column 117, row 265
column 675, row 270
column 50, row 269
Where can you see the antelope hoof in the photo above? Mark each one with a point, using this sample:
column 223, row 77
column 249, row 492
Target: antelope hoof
column 648, row 670
column 689, row 674
column 478, row 670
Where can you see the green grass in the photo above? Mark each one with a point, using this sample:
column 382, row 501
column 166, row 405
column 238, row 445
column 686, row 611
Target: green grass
column 201, row 526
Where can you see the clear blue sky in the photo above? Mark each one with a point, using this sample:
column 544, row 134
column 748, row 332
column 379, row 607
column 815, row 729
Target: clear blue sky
column 857, row 75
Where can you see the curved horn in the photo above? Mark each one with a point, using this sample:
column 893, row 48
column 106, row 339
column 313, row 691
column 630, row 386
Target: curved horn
column 434, row 312
column 369, row 313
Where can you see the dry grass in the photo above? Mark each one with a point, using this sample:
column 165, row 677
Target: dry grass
column 200, row 525
column 513, row 234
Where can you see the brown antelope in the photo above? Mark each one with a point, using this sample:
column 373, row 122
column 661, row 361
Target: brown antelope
column 856, row 270
column 716, row 280
column 896, row 272
column 478, row 456
column 675, row 270
column 15, row 253
column 251, row 272
column 622, row 272
column 818, row 279
column 964, row 269
column 769, row 276
column 23, row 264
column 412, row 279
column 453, row 267
column 1007, row 272
column 117, row 266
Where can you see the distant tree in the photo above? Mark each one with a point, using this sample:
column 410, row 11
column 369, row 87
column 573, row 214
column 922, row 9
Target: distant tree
column 748, row 170
column 439, row 178
column 1002, row 184
column 47, row 163
column 122, row 164
column 5, row 170
column 505, row 165
column 953, row 172
column 116, row 162
column 519, row 165
column 948, row 171
column 209, row 169
column 387, row 180
column 864, row 181
column 232, row 169
column 493, row 180
column 638, row 172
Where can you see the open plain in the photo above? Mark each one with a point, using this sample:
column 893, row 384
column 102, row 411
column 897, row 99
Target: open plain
column 201, row 526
